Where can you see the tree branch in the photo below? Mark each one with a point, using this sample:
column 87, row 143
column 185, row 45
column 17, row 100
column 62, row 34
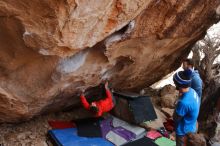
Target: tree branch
column 217, row 52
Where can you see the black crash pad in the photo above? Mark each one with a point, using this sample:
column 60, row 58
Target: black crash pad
column 141, row 142
column 135, row 109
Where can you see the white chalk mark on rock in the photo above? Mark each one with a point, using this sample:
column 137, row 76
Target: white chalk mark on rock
column 44, row 52
column 72, row 63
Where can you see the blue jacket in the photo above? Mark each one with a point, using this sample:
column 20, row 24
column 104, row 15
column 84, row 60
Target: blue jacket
column 196, row 83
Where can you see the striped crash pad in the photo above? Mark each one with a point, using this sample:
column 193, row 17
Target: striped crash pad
column 68, row 137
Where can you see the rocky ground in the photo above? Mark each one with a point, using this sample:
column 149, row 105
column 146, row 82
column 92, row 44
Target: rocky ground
column 30, row 133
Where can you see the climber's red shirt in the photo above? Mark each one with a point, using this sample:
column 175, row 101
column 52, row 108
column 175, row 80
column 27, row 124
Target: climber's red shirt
column 103, row 105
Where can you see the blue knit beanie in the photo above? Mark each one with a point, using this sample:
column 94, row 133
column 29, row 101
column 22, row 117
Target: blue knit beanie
column 183, row 78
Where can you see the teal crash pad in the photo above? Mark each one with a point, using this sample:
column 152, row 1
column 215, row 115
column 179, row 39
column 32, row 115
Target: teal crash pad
column 163, row 141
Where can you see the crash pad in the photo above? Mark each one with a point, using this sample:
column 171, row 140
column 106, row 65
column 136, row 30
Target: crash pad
column 141, row 142
column 68, row 137
column 120, row 132
column 133, row 128
column 89, row 127
column 61, row 124
column 153, row 134
column 133, row 108
column 106, row 126
column 143, row 109
column 115, row 139
column 163, row 141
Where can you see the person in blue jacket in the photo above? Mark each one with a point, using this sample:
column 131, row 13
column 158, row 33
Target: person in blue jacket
column 187, row 108
column 196, row 82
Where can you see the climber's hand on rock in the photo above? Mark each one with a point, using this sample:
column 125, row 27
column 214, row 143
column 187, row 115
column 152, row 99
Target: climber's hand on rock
column 82, row 92
column 106, row 85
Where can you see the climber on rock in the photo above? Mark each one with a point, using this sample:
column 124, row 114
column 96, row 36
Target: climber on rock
column 187, row 108
column 196, row 82
column 103, row 105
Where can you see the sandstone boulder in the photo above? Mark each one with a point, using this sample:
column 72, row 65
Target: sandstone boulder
column 50, row 50
column 167, row 90
column 168, row 112
column 169, row 96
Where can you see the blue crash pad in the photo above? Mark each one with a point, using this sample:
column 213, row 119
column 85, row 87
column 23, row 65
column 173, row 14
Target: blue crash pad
column 68, row 137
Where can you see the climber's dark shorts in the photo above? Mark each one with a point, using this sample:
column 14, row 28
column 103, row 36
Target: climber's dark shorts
column 180, row 140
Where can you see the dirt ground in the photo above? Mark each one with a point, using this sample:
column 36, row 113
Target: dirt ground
column 30, row 133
